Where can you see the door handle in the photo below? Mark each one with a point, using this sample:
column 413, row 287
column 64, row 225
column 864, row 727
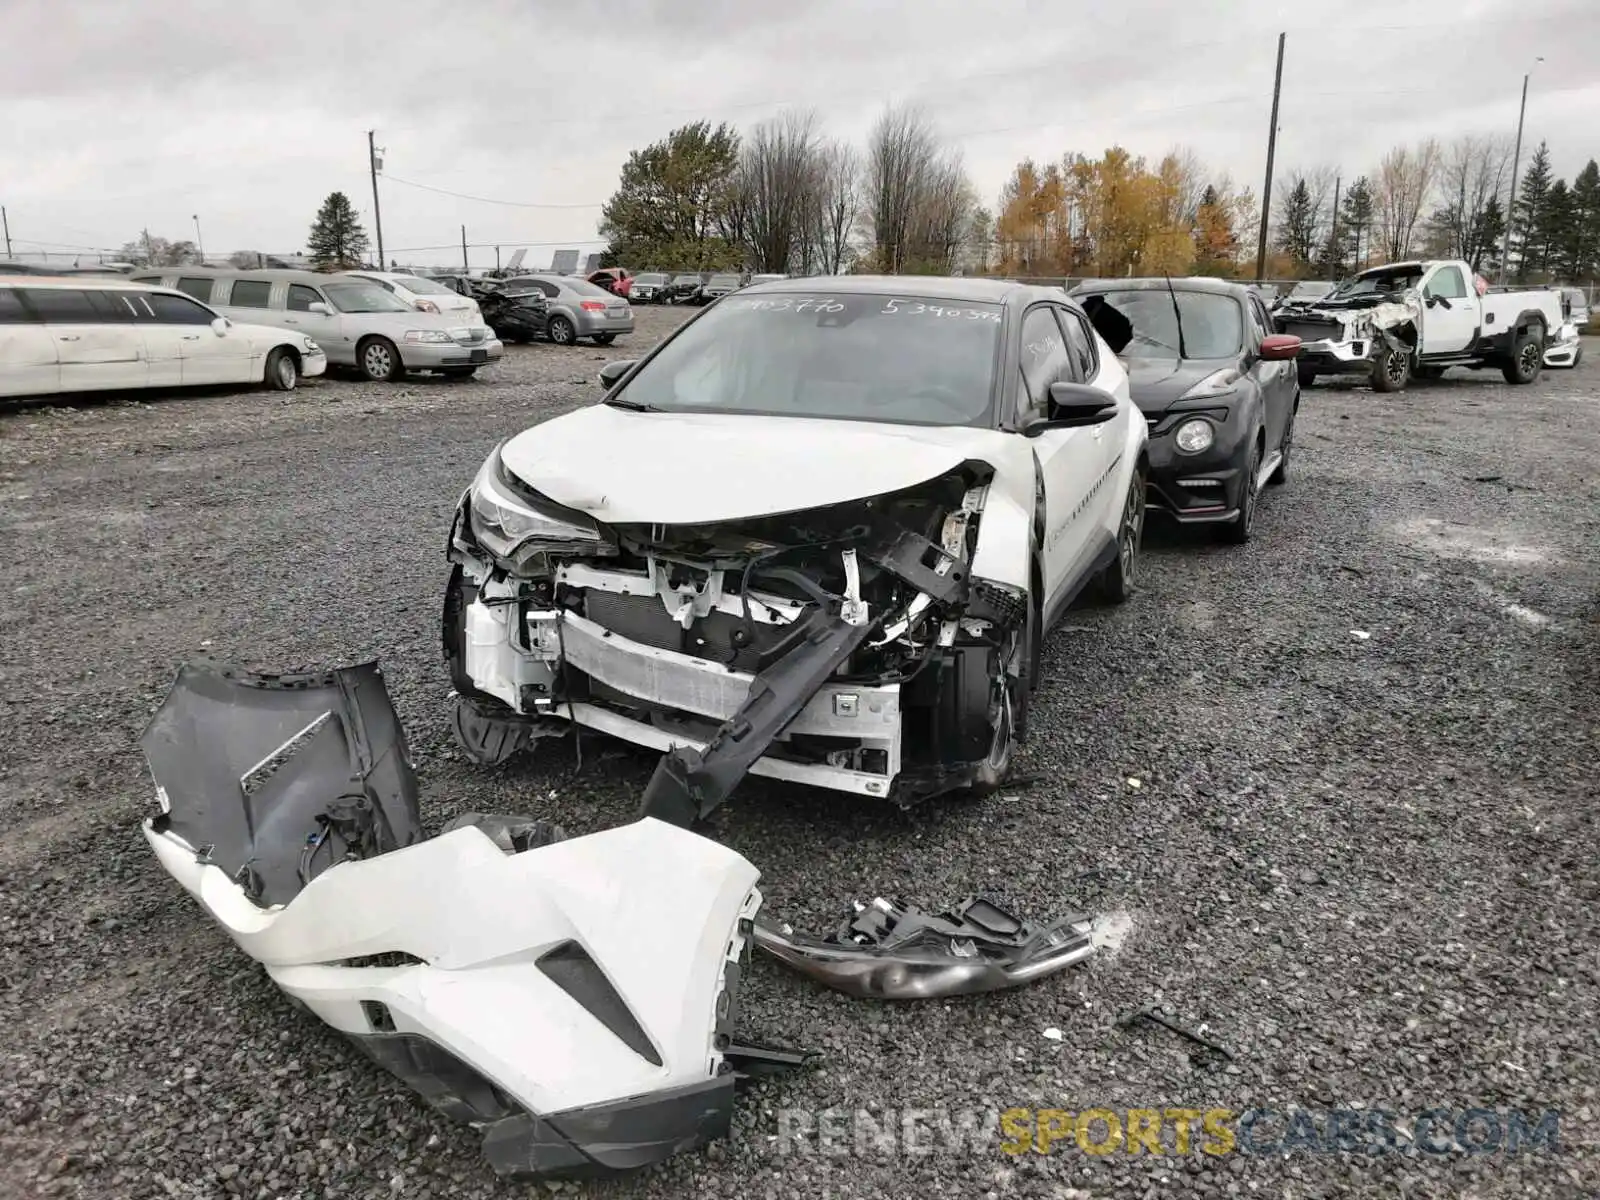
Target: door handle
column 290, row 321
column 69, row 337
column 191, row 337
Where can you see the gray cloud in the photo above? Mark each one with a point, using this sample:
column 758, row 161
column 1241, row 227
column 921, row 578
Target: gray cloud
column 249, row 113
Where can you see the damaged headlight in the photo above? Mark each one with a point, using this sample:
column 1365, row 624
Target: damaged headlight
column 509, row 522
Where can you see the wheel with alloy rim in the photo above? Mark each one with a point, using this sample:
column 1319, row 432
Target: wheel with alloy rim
column 282, row 373
column 1280, row 475
column 562, row 331
column 1117, row 580
column 1527, row 357
column 380, row 361
column 1239, row 529
column 1392, row 371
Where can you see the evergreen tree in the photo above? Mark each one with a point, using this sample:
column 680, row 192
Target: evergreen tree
column 1527, row 214
column 1586, row 224
column 1554, row 233
column 337, row 242
column 1356, row 219
column 1487, row 229
column 1297, row 225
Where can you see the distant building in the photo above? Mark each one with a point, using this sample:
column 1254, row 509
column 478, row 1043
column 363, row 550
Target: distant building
column 591, row 264
column 564, row 262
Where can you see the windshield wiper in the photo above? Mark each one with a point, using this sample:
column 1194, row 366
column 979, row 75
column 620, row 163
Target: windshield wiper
column 632, row 405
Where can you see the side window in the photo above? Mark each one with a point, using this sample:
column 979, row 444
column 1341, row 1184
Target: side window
column 11, row 310
column 111, row 306
column 60, row 306
column 1447, row 282
column 1080, row 342
column 155, row 279
column 200, row 289
column 301, row 297
column 178, row 310
column 250, row 293
column 549, row 289
column 1044, row 356
column 1255, row 327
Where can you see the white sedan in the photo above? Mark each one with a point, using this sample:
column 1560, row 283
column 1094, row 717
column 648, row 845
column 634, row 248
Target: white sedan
column 817, row 534
column 424, row 295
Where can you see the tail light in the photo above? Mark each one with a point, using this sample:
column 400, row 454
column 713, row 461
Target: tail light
column 426, row 306
column 594, row 306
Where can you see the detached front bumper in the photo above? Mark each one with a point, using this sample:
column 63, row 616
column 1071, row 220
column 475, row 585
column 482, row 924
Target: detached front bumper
column 1196, row 489
column 1566, row 352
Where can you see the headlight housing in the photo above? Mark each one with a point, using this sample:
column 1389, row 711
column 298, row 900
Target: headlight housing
column 427, row 335
column 312, row 346
column 513, row 524
column 1218, row 383
column 1195, row 435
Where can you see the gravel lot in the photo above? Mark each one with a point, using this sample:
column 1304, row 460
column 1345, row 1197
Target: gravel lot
column 1365, row 864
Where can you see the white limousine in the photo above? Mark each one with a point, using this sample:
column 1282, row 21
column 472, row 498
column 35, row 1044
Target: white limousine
column 82, row 335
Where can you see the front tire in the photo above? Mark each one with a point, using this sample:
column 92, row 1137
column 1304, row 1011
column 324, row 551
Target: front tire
column 1117, row 581
column 562, row 331
column 1237, row 531
column 1527, row 357
column 1392, row 371
column 1280, row 476
column 379, row 359
column 282, row 373
column 1307, row 375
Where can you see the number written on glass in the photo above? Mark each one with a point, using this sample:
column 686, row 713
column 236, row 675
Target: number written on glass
column 918, row 308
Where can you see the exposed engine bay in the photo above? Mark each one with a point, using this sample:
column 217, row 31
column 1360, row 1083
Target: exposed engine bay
column 847, row 646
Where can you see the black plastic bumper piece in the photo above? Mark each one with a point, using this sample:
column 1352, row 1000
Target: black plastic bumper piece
column 688, row 784
column 604, row 1139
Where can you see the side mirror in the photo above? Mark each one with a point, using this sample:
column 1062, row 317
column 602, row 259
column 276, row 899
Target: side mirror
column 1278, row 347
column 1074, row 406
column 221, row 326
column 613, row 371
column 318, row 307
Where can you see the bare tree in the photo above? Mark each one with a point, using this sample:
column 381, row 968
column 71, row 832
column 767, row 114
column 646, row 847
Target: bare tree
column 1472, row 172
column 837, row 198
column 777, row 175
column 918, row 198
column 1403, row 184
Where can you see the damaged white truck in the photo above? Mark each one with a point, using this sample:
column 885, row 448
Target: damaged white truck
column 818, row 534
column 1413, row 320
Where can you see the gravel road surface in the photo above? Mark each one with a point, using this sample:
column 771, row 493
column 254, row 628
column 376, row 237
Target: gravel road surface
column 1334, row 793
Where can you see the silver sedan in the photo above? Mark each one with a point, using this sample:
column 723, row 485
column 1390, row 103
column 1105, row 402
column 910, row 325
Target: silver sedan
column 578, row 309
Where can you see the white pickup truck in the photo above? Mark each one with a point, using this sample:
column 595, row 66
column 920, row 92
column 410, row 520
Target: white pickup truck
column 1414, row 319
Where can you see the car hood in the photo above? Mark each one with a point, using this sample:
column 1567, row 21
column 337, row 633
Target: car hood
column 623, row 467
column 1157, row 383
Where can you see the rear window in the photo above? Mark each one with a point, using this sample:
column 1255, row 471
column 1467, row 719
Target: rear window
column 199, row 288
column 584, row 288
column 250, row 293
column 11, row 310
column 61, row 305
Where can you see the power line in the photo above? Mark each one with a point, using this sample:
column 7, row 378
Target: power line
column 427, row 187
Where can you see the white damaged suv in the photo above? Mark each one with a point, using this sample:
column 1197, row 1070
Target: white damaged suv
column 818, row 534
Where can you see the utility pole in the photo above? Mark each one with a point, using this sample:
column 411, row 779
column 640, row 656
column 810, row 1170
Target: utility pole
column 149, row 252
column 1516, row 163
column 465, row 268
column 1272, row 146
column 199, row 241
column 377, row 213
column 1333, row 230
column 497, row 259
column 4, row 220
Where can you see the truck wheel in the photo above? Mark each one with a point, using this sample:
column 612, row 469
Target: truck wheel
column 1308, row 375
column 1527, row 356
column 1392, row 371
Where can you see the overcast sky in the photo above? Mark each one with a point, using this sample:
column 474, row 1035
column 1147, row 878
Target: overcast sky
column 122, row 114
